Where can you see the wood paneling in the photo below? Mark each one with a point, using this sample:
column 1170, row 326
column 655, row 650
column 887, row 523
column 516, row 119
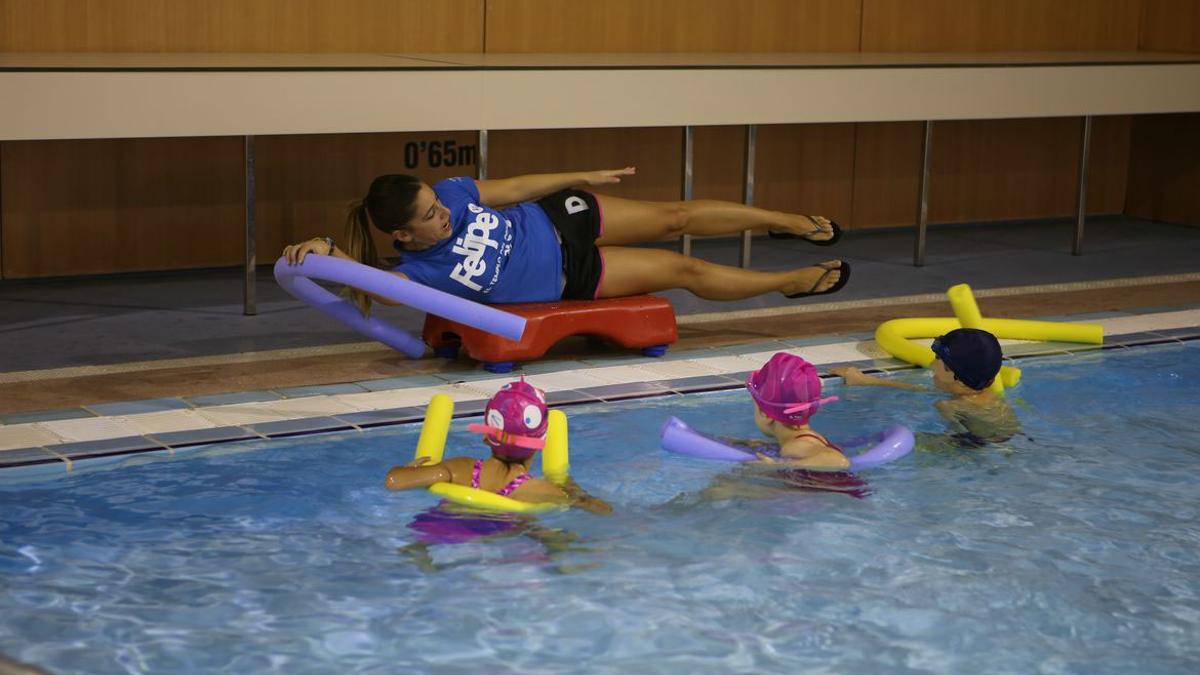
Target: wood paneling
column 656, row 152
column 718, row 163
column 89, row 207
column 1164, row 168
column 672, row 25
column 368, row 26
column 999, row 25
column 987, row 170
column 1170, row 26
column 98, row 206
column 305, row 183
column 806, row 168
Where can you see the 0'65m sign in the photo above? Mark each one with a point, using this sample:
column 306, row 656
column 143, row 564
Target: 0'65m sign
column 437, row 154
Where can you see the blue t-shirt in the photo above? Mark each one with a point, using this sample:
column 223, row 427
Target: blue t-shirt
column 511, row 255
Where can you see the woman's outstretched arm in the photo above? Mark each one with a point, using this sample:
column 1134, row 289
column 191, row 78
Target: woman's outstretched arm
column 502, row 191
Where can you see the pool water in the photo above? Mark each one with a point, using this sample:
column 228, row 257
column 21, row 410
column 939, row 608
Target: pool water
column 1073, row 548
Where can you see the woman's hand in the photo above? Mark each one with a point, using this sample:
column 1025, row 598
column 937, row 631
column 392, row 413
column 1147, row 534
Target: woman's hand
column 607, row 176
column 296, row 252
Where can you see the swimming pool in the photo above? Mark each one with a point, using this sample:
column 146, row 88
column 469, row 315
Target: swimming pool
column 1074, row 548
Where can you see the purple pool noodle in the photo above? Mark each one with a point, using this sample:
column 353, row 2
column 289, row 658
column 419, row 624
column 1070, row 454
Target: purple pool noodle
column 297, row 281
column 890, row 444
column 678, row 437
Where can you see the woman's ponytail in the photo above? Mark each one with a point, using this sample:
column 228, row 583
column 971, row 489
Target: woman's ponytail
column 360, row 245
column 388, row 206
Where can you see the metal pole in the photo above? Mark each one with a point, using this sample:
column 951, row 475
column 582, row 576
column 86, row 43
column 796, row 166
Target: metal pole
column 481, row 165
column 748, row 190
column 923, row 198
column 1085, row 142
column 685, row 242
column 249, row 304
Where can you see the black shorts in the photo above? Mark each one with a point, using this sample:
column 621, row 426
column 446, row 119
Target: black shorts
column 577, row 216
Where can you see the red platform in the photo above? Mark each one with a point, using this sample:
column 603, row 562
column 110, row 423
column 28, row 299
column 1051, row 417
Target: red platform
column 643, row 322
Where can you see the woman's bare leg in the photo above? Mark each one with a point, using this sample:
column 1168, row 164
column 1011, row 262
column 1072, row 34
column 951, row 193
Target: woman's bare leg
column 628, row 221
column 630, row 271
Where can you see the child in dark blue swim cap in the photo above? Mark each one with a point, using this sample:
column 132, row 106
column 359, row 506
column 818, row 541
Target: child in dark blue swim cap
column 968, row 360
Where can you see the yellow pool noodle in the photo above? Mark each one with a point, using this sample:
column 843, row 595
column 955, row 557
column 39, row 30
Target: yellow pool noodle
column 435, row 428
column 555, row 456
column 894, row 336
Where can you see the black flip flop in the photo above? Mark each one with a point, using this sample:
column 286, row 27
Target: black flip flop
column 837, row 234
column 837, row 286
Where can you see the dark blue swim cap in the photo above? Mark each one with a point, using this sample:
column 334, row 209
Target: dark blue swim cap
column 973, row 355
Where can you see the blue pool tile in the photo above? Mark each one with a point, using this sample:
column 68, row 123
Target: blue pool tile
column 320, row 390
column 569, row 396
column 304, row 425
column 45, row 415
column 472, row 407
column 373, row 418
column 137, row 407
column 25, row 457
column 616, row 392
column 1179, row 333
column 1141, row 337
column 741, row 376
column 229, row 399
column 179, row 439
column 107, row 446
column 752, row 348
column 407, row 382
column 699, row 383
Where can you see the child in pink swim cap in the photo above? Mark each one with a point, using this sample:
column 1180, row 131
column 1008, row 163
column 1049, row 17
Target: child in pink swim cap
column 514, row 427
column 787, row 393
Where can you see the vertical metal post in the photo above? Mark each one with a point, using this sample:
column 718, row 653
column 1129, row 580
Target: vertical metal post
column 1085, row 142
column 748, row 190
column 481, row 164
column 923, row 198
column 249, row 303
column 685, row 242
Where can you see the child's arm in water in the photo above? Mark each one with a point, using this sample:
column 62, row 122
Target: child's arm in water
column 416, row 474
column 539, row 490
column 854, row 377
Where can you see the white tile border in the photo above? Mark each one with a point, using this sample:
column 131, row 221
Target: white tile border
column 50, row 433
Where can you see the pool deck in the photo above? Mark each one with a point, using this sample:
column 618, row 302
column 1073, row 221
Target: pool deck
column 107, row 368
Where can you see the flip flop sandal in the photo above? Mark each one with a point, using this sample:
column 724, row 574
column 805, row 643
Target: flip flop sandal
column 837, row 234
column 837, row 286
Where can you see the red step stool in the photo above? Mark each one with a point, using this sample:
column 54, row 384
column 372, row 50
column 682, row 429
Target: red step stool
column 643, row 322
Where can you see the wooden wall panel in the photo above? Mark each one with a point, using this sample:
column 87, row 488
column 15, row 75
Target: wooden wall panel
column 98, row 206
column 672, row 25
column 1170, row 26
column 999, row 25
column 1164, row 168
column 807, row 169
column 656, row 152
column 305, row 183
column 718, row 163
column 987, row 170
column 368, row 26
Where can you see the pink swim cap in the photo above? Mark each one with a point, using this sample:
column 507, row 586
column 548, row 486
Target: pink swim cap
column 787, row 389
column 515, row 420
